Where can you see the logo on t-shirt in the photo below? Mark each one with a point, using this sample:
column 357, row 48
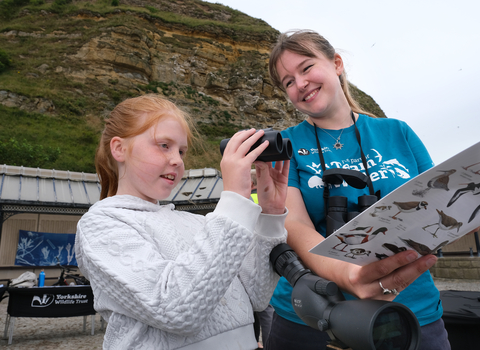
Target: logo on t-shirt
column 380, row 169
column 303, row 152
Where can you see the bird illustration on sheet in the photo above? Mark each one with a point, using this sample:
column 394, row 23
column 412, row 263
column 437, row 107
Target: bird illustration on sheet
column 360, row 235
column 357, row 252
column 438, row 182
column 477, row 172
column 423, row 249
column 409, row 207
column 393, row 248
column 474, row 189
column 425, row 214
column 380, row 209
column 445, row 223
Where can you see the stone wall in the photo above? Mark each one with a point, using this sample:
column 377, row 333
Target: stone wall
column 457, row 267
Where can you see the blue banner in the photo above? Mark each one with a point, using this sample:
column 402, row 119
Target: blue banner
column 45, row 249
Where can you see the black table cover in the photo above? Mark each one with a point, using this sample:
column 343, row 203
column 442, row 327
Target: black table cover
column 61, row 301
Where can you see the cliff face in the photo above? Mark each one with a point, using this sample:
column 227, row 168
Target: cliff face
column 209, row 59
column 232, row 73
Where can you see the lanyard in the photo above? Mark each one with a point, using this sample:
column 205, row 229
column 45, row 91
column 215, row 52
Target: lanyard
column 326, row 190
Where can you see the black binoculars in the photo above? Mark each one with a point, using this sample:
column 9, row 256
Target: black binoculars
column 278, row 147
column 338, row 214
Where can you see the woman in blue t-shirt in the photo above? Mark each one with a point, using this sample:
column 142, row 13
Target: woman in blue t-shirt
column 307, row 68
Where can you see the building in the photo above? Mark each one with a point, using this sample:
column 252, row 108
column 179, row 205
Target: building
column 46, row 200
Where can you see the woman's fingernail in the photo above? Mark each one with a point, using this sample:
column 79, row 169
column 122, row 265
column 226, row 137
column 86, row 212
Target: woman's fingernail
column 412, row 257
column 430, row 262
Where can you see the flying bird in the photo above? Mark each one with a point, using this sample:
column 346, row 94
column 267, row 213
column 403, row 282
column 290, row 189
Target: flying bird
column 474, row 214
column 408, row 207
column 445, row 223
column 471, row 187
column 422, row 249
column 358, row 238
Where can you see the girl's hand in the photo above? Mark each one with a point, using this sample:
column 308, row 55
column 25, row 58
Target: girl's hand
column 236, row 164
column 272, row 186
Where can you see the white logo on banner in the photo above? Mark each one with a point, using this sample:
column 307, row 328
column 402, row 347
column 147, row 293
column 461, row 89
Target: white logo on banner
column 45, row 301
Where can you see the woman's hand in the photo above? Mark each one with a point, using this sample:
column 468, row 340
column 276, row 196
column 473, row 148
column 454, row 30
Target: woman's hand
column 395, row 273
column 236, row 164
column 272, row 185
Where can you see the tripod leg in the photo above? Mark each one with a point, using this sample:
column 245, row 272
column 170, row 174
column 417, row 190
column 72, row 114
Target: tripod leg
column 12, row 326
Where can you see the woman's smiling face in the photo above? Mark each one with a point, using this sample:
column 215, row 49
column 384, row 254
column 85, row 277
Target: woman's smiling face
column 311, row 83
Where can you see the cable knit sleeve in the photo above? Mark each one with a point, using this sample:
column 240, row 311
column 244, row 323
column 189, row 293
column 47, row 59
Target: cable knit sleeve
column 157, row 273
column 257, row 274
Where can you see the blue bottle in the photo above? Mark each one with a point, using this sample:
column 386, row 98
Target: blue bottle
column 41, row 279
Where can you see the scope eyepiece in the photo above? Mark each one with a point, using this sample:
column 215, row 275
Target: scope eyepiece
column 287, row 263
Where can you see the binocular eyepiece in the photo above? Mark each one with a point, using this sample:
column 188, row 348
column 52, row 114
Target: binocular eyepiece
column 278, row 147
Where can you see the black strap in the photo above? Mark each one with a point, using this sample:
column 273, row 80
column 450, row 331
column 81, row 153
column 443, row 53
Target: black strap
column 326, row 190
column 364, row 159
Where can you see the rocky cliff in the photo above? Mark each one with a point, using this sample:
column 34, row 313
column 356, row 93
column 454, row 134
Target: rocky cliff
column 85, row 57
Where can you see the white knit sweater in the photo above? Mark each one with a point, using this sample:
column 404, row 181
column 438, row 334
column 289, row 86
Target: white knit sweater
column 166, row 279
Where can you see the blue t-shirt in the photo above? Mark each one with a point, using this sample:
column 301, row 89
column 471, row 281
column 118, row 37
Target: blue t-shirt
column 394, row 155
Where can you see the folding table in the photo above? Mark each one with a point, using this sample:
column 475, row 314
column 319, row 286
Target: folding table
column 59, row 301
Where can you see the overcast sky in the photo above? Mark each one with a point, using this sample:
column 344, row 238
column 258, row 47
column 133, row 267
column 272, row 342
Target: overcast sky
column 419, row 60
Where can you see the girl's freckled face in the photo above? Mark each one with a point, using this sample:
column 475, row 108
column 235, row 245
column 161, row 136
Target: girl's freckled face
column 154, row 165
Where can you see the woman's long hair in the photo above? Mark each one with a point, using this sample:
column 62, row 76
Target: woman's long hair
column 308, row 43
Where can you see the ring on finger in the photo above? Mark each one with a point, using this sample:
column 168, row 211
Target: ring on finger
column 388, row 291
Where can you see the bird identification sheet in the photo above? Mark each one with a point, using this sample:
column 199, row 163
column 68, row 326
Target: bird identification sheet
column 425, row 214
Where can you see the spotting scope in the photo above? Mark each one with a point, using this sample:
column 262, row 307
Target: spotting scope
column 351, row 324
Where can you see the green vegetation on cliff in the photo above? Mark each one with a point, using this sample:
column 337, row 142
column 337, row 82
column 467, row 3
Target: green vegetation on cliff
column 65, row 64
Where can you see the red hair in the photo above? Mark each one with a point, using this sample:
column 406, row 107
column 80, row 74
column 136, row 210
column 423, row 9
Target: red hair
column 130, row 118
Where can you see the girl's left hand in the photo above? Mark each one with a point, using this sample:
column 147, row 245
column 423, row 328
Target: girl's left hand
column 272, row 183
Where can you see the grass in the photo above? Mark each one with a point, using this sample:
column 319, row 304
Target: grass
column 73, row 136
column 206, row 155
column 75, row 125
column 238, row 22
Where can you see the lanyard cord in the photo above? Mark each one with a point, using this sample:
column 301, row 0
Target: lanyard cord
column 326, row 190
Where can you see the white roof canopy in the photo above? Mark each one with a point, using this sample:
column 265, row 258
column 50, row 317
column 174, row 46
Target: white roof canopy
column 22, row 186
